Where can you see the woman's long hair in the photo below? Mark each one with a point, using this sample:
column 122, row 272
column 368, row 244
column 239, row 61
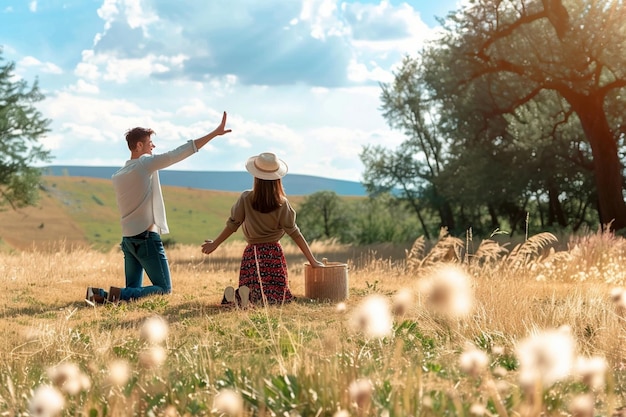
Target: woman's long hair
column 267, row 195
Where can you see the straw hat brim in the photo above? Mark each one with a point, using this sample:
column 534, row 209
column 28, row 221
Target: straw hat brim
column 266, row 175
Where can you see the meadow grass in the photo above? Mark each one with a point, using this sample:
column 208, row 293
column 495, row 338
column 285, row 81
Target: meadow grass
column 409, row 341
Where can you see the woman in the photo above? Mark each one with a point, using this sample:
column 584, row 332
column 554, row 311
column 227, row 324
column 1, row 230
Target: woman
column 265, row 215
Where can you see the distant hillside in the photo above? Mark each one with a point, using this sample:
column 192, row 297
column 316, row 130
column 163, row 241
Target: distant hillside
column 83, row 211
column 294, row 184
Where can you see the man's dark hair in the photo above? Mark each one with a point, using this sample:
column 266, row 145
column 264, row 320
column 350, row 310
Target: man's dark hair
column 136, row 135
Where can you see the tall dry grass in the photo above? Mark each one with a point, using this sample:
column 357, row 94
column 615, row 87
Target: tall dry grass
column 316, row 358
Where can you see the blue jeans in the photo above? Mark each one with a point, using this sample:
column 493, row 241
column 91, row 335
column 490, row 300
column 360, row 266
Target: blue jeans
column 145, row 254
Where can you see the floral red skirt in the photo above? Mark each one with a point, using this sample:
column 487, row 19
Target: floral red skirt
column 264, row 271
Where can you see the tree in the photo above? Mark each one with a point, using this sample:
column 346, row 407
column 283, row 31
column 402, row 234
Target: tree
column 388, row 171
column 322, row 215
column 508, row 53
column 21, row 127
column 413, row 168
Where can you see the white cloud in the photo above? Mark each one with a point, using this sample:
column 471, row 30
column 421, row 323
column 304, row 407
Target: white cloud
column 138, row 15
column 109, row 67
column 322, row 18
column 108, row 12
column 82, row 86
column 194, row 108
column 52, row 141
column 32, row 6
column 45, row 67
column 70, row 110
column 87, row 70
column 359, row 73
column 297, row 78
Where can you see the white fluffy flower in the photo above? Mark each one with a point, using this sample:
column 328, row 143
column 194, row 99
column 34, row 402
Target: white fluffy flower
column 69, row 378
column 448, row 291
column 547, row 357
column 402, row 301
column 154, row 330
column 46, row 401
column 228, row 402
column 119, row 373
column 152, row 357
column 592, row 371
column 361, row 391
column 373, row 317
column 582, row 406
column 473, row 361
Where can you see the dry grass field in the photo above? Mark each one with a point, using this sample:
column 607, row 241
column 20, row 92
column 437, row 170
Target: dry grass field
column 521, row 331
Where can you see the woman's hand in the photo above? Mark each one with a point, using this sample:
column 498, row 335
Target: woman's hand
column 317, row 264
column 209, row 246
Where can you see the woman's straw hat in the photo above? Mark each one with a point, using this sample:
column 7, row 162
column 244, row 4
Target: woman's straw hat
column 266, row 166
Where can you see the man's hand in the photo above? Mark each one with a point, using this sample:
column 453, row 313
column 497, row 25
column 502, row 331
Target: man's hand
column 221, row 129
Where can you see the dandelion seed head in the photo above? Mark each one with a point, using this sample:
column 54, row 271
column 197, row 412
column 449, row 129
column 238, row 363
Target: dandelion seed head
column 154, row 330
column 448, row 291
column 402, row 301
column 473, row 361
column 616, row 294
column 119, row 373
column 46, row 401
column 477, row 410
column 499, row 372
column 68, row 378
column 85, row 382
column 427, row 402
column 582, row 406
column 341, row 307
column 361, row 391
column 502, row 387
column 592, row 371
column 228, row 402
column 498, row 350
column 546, row 357
column 152, row 357
column 373, row 317
column 171, row 411
column 341, row 413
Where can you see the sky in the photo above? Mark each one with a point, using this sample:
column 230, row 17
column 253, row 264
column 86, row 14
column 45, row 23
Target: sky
column 300, row 78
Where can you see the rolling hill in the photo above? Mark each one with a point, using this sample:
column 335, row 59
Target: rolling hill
column 294, row 184
column 82, row 211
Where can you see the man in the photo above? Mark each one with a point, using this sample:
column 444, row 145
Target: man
column 142, row 210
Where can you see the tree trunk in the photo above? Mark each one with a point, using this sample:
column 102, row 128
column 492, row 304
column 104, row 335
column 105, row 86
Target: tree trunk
column 495, row 223
column 413, row 203
column 607, row 167
column 555, row 209
column 446, row 215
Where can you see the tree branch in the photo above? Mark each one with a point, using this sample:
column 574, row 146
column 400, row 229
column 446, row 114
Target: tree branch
column 619, row 83
column 503, row 33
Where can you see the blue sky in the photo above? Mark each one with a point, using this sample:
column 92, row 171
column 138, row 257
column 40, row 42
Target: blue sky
column 297, row 77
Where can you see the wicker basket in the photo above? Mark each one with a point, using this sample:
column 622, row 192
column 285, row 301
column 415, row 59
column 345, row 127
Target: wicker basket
column 329, row 283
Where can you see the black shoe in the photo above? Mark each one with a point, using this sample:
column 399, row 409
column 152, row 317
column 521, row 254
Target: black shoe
column 115, row 295
column 229, row 295
column 95, row 296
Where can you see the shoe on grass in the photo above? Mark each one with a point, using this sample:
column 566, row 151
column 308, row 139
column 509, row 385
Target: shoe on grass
column 229, row 295
column 244, row 296
column 115, row 295
column 95, row 296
